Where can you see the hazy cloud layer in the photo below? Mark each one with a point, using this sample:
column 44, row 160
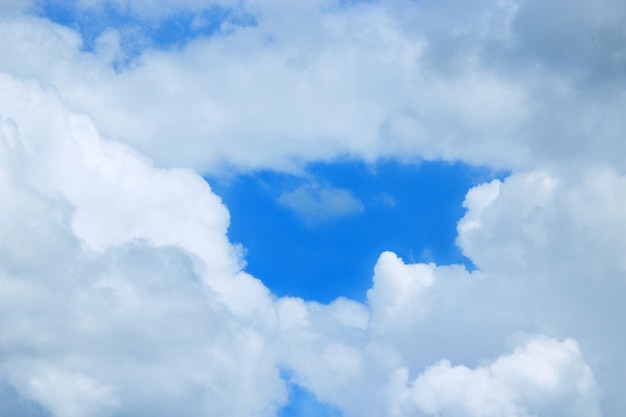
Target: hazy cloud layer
column 120, row 293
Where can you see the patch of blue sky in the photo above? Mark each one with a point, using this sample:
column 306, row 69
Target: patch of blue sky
column 136, row 32
column 411, row 209
column 302, row 403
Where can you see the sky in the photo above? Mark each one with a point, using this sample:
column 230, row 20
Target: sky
column 318, row 235
column 314, row 208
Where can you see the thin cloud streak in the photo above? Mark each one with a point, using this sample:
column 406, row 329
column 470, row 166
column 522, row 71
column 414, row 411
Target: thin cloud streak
column 320, row 204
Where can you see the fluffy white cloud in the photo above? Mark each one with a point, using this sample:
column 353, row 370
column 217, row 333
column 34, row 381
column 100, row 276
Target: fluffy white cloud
column 543, row 377
column 118, row 283
column 553, row 246
column 121, row 294
column 317, row 82
column 393, row 365
column 396, row 296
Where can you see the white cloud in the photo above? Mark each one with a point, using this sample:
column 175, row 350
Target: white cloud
column 365, row 80
column 553, row 247
column 543, row 377
column 109, row 300
column 395, row 364
column 70, row 394
column 396, row 296
column 368, row 80
column 318, row 203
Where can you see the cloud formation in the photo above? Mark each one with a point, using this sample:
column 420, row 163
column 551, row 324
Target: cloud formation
column 402, row 80
column 108, row 300
column 120, row 293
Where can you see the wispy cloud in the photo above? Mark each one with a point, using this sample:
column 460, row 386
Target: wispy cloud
column 317, row 203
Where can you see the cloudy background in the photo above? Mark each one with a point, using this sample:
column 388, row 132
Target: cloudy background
column 123, row 292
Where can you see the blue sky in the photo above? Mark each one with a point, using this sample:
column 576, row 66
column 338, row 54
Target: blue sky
column 411, row 209
column 137, row 32
column 174, row 31
column 315, row 208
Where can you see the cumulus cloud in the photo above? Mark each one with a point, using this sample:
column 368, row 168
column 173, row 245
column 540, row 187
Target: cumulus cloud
column 316, row 203
column 107, row 301
column 555, row 244
column 402, row 80
column 121, row 294
column 393, row 365
column 533, row 380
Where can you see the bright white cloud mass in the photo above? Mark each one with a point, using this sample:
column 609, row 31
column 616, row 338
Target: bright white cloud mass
column 121, row 294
